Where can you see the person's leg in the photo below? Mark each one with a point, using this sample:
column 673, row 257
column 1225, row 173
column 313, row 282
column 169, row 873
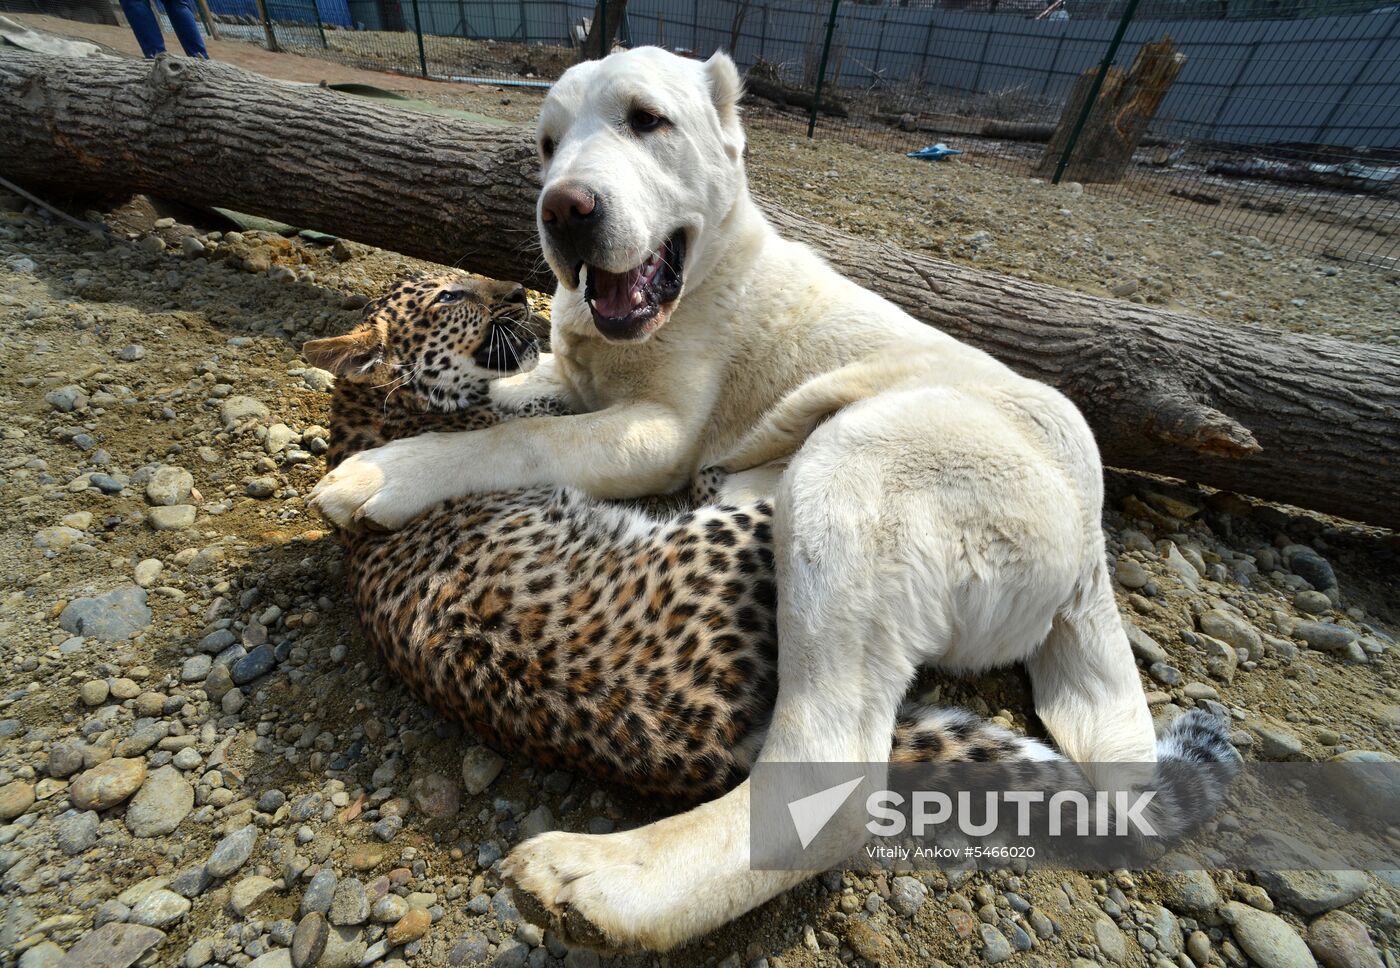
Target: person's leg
column 182, row 18
column 145, row 26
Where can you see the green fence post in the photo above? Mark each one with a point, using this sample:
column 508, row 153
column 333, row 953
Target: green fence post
column 821, row 69
column 267, row 26
column 316, row 7
column 1094, row 89
column 418, row 29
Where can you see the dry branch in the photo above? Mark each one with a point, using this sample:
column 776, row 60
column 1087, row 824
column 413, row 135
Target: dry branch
column 1303, row 419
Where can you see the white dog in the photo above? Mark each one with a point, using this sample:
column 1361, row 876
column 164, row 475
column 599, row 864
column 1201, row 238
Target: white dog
column 936, row 508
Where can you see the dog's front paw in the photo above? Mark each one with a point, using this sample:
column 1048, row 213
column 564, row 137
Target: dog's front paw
column 386, row 486
column 588, row 889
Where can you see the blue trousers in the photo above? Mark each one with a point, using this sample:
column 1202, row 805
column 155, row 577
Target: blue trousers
column 147, row 28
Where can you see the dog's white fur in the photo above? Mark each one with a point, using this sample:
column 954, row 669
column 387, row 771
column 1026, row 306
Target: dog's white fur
column 936, row 509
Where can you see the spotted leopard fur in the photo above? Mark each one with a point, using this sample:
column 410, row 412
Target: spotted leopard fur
column 631, row 647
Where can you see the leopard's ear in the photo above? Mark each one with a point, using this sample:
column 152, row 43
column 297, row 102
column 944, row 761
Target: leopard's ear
column 356, row 353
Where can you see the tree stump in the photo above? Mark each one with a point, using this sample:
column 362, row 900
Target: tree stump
column 1126, row 104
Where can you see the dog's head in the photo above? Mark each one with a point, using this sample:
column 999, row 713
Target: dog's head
column 642, row 155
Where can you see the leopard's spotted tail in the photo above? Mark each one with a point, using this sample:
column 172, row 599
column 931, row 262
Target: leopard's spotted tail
column 939, row 734
column 1195, row 761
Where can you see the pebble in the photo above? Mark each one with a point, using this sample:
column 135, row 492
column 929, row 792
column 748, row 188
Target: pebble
column 160, row 909
column 257, row 663
column 1276, row 743
column 412, row 926
column 435, row 795
column 309, row 941
column 196, row 668
column 76, row 830
column 113, row 946
column 147, row 572
column 1233, row 630
column 1110, row 941
column 1312, row 568
column 94, row 692
column 470, row 949
column 169, row 485
column 261, row 487
column 112, row 617
column 995, row 947
column 248, row 892
column 907, row 896
column 1326, row 636
column 480, row 767
column 15, row 799
column 1144, row 646
column 1198, row 948
column 350, row 905
column 165, row 799
column 108, row 784
column 232, row 852
column 1187, row 890
column 389, row 908
column 1338, row 940
column 45, row 954
column 1130, row 574
column 176, row 517
column 238, row 409
column 1267, row 938
column 319, row 892
column 1312, row 603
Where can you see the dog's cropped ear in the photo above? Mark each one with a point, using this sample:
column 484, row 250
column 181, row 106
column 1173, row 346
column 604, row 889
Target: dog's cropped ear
column 726, row 88
column 355, row 353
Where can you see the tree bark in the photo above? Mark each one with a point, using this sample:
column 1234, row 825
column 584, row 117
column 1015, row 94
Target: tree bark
column 1306, row 420
column 1126, row 104
column 604, row 28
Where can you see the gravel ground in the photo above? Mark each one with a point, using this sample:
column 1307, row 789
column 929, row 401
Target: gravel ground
column 201, row 763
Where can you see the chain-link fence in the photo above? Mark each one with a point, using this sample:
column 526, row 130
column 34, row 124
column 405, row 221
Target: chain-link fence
column 1280, row 118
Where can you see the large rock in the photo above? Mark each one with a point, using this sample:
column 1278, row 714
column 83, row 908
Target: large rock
column 113, row 946
column 1267, row 938
column 1186, row 888
column 113, row 617
column 108, row 784
column 169, row 485
column 1302, row 880
column 232, row 852
column 165, row 800
column 238, row 409
column 1233, row 630
column 1340, row 941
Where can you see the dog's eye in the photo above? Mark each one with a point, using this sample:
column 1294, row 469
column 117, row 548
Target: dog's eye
column 449, row 296
column 547, row 147
column 642, row 121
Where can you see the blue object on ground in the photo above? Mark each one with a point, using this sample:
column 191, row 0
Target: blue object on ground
column 147, row 29
column 935, row 152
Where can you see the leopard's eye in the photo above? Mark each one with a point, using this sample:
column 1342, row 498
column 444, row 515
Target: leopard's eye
column 449, row 296
column 641, row 120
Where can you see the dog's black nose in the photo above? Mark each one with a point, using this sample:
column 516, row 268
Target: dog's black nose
column 565, row 206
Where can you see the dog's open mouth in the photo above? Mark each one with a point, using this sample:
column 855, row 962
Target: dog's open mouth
column 633, row 304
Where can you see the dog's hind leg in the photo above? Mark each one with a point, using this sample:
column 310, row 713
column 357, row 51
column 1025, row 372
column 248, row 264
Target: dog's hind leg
column 1086, row 685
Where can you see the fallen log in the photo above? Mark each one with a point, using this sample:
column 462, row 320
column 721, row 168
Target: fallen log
column 1306, row 420
column 782, row 94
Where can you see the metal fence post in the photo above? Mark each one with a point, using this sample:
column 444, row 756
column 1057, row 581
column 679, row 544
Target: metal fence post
column 1094, row 89
column 418, row 29
column 320, row 27
column 821, row 69
column 267, row 26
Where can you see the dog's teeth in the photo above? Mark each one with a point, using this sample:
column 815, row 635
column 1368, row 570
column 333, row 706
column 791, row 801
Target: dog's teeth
column 636, row 299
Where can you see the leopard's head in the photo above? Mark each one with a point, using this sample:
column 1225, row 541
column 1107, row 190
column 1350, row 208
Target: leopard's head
column 440, row 339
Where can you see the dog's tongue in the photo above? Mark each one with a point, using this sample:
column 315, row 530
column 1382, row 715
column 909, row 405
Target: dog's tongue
column 613, row 292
